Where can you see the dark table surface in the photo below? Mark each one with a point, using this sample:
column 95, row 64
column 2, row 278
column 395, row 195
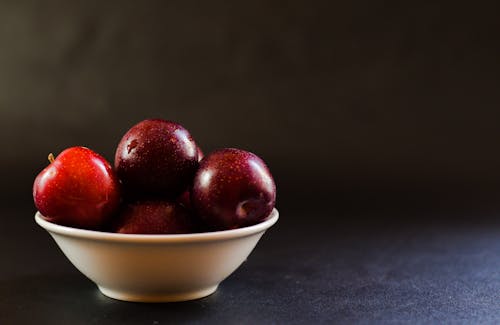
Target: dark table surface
column 357, row 260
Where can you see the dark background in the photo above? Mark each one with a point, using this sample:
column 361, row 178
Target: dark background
column 378, row 119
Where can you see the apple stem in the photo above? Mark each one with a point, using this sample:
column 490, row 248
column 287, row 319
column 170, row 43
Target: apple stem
column 51, row 158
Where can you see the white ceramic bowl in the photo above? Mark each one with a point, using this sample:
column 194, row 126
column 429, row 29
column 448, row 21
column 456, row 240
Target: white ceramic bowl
column 157, row 268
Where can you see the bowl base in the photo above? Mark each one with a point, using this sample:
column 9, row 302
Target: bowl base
column 169, row 297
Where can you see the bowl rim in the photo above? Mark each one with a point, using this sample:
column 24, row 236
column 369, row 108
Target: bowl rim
column 157, row 238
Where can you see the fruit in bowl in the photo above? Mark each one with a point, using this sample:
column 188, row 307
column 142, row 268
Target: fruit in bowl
column 233, row 188
column 78, row 188
column 154, row 217
column 156, row 158
column 163, row 224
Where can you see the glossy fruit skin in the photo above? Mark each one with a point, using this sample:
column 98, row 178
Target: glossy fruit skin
column 79, row 188
column 156, row 158
column 154, row 217
column 233, row 188
column 200, row 153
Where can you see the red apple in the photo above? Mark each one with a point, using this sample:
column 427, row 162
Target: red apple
column 233, row 188
column 156, row 158
column 185, row 200
column 78, row 188
column 154, row 217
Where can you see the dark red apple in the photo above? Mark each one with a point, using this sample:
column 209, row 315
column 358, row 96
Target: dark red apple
column 156, row 158
column 233, row 188
column 78, row 188
column 154, row 217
